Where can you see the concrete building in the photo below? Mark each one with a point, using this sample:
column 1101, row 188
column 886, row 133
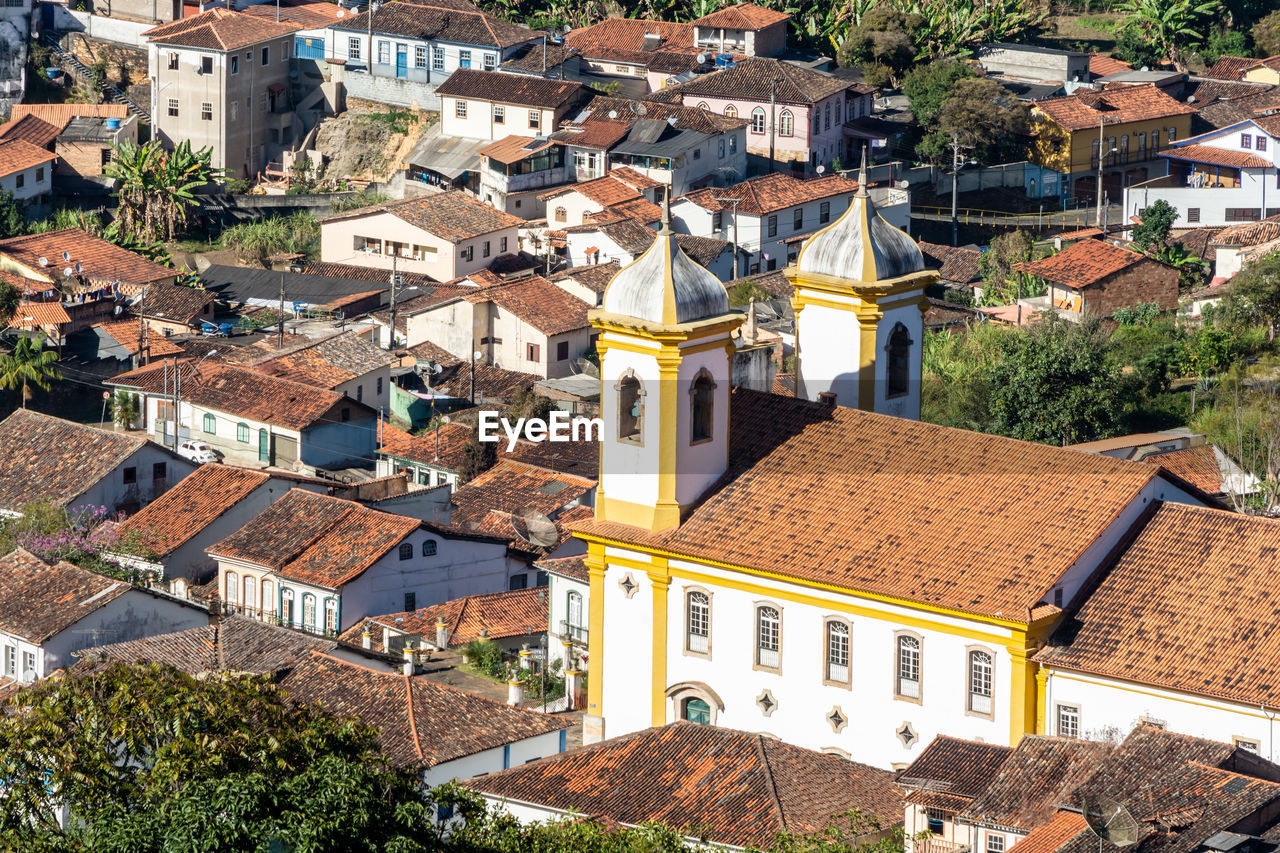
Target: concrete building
column 1037, row 64
column 26, row 170
column 744, row 28
column 493, row 104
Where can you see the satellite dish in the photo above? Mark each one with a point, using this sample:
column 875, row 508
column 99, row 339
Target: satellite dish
column 444, row 419
column 613, row 113
column 1110, row 821
column 44, row 262
column 902, row 185
column 535, row 528
column 118, row 310
column 79, row 269
column 477, row 355
column 1191, row 100
column 66, row 256
column 638, row 108
column 66, row 272
column 821, row 169
column 702, row 59
column 436, row 370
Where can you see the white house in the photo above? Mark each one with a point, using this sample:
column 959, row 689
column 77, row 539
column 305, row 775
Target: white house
column 569, row 205
column 568, row 598
column 50, row 611
column 26, row 170
column 493, row 104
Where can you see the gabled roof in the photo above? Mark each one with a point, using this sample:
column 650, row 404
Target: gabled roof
column 593, row 276
column 198, row 500
column 1248, row 233
column 772, row 192
column 743, row 16
column 491, row 383
column 220, row 29
column 174, row 302
column 954, row 264
column 31, row 315
column 1229, row 67
column 605, row 191
column 316, row 539
column 686, row 118
column 59, row 114
column 39, row 600
column 1084, row 110
column 17, row 155
column 1082, row 264
column 550, row 309
column 504, row 88
column 100, row 260
column 726, row 786
column 127, row 332
column 449, row 452
column 460, row 23
column 1042, row 772
column 1101, row 65
column 753, row 79
column 328, row 362
column 31, row 129
column 452, row 216
column 48, row 458
column 569, row 567
column 958, row 770
column 496, row 615
column 1199, row 466
column 512, row 486
column 632, row 40
column 1217, row 156
column 420, row 723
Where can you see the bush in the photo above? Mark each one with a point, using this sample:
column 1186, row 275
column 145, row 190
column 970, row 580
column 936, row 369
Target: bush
column 485, row 657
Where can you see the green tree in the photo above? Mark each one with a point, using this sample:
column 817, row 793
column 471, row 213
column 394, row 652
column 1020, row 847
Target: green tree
column 12, row 221
column 1054, row 384
column 480, row 456
column 158, row 187
column 1135, row 48
column 150, row 759
column 1266, row 35
column 29, row 364
column 1156, row 226
column 928, row 86
column 1001, row 283
column 1224, row 42
column 10, row 298
column 881, row 45
column 1255, row 292
column 986, row 118
column 1170, row 26
column 527, row 403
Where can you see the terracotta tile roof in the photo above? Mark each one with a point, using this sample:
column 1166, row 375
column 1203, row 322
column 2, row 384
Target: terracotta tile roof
column 513, row 528
column 39, row 600
column 550, row 309
column 1124, row 104
column 453, row 216
column 308, row 15
column 316, row 539
column 101, row 260
column 1178, row 641
column 955, row 264
column 427, row 351
column 639, row 209
column 420, row 723
column 724, row 785
column 1248, row 233
column 1239, row 106
column 960, row 768
column 1059, row 831
column 220, row 29
column 1197, row 240
column 197, row 501
column 17, row 155
column 492, row 383
column 127, row 332
column 594, row 276
column 174, row 302
column 624, row 39
column 1197, row 465
column 773, row 192
column 232, row 644
column 744, row 16
column 59, row 114
column 599, row 134
column 604, row 191
column 328, row 362
column 358, row 273
column 512, row 486
column 1272, row 62
column 1042, row 772
column 1229, row 67
column 242, row 391
column 47, row 458
column 1216, row 156
column 531, row 58
column 29, row 128
column 686, row 118
column 30, row 287
column 454, row 438
column 957, row 495
column 498, row 614
column 579, row 458
column 1101, row 65
column 452, row 22
column 752, row 80
column 501, row 87
column 1082, row 264
column 31, row 315
column 570, row 567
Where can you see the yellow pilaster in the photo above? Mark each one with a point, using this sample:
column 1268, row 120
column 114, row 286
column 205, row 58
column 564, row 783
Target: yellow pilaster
column 1042, row 679
column 660, row 578
column 595, row 629
column 666, row 513
column 869, row 315
column 1023, row 688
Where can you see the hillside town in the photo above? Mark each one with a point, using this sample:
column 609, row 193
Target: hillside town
column 429, row 425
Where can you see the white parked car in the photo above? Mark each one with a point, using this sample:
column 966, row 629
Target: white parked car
column 197, row 451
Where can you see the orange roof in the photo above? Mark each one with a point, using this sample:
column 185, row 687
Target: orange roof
column 100, row 259
column 17, row 155
column 512, row 486
column 188, row 508
column 1082, row 264
column 1104, row 66
column 221, row 29
column 37, row 131
column 1197, row 465
column 127, row 332
column 624, row 39
column 604, row 191
column 33, row 314
column 59, row 114
column 1217, row 157
column 632, row 178
column 513, row 149
column 1084, row 110
column 601, row 133
column 1054, row 835
column 496, row 615
column 744, row 16
column 772, row 192
column 1230, row 67
column 422, row 448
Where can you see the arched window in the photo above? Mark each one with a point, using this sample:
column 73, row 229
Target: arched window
column 309, row 612
column 697, row 711
column 980, row 672
column 768, row 637
column 268, row 596
column 286, row 606
column 573, row 606
column 698, row 623
column 242, row 433
column 757, row 120
column 250, row 593
column 731, row 111
column 786, row 123
column 703, row 106
column 233, row 587
column 330, row 616
column 908, row 667
column 837, row 651
column 562, row 215
column 899, row 350
column 702, row 396
column 210, row 424
column 429, row 548
column 406, row 551
column 630, row 409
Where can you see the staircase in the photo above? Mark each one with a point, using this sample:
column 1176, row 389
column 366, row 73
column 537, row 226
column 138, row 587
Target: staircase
column 69, row 62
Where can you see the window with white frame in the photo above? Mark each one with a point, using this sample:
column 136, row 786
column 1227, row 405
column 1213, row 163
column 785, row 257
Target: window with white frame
column 330, row 616
column 420, row 56
column 28, row 664
column 535, row 119
column 460, row 108
column 309, row 611
column 768, row 637
column 499, row 114
column 698, row 623
column 1068, row 720
column 786, row 123
column 437, row 59
column 232, row 587
column 11, row 660
column 384, row 52
column 757, row 120
column 980, row 671
column 937, row 821
column 268, row 595
column 173, row 61
column 573, row 607
column 353, row 49
column 1247, row 744
column 908, row 667
column 490, row 62
column 206, row 111
column 837, row 651
column 250, row 592
column 995, row 842
column 173, row 107
column 286, row 606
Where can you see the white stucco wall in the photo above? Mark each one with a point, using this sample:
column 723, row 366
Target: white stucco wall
column 138, row 613
column 492, row 760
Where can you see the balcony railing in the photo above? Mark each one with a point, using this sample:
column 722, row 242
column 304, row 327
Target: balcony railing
column 939, row 845
column 577, row 633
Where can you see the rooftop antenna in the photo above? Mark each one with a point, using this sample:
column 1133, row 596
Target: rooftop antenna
column 1110, row 821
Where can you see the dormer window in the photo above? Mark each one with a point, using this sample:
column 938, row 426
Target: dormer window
column 702, row 397
column 630, row 409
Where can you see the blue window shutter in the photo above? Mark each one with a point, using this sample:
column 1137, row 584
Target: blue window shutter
column 563, row 739
column 506, row 756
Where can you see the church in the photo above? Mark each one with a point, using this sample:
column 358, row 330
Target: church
column 825, row 568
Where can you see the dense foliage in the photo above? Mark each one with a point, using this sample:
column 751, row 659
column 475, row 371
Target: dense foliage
column 27, row 365
column 158, row 187
column 84, row 537
column 259, row 240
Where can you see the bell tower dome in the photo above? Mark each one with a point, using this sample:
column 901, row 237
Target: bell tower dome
column 666, row 349
column 859, row 304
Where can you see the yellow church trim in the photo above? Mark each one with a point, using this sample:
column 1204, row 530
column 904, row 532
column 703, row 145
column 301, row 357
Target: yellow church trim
column 595, row 563
column 1111, row 678
column 660, row 580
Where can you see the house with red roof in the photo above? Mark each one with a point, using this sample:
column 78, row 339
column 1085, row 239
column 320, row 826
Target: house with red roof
column 1096, row 277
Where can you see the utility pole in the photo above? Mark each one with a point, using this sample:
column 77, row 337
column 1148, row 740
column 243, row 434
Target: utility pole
column 773, row 119
column 734, row 202
column 955, row 188
column 1102, row 147
column 280, row 334
column 394, row 276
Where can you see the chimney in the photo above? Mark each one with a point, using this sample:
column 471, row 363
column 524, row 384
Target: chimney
column 408, row 660
column 366, row 636
column 442, row 634
column 827, row 398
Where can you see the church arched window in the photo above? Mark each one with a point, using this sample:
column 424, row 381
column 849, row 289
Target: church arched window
column 702, row 396
column 630, row 409
column 899, row 351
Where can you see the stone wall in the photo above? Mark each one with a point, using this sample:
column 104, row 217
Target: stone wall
column 391, row 90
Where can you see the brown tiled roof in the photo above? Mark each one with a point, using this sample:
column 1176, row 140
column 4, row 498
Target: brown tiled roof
column 59, row 114
column 550, row 309
column 126, row 333
column 453, row 216
column 491, row 382
column 1082, row 264
column 959, row 500
column 1239, row 106
column 1197, row 465
column 594, row 276
column 601, row 134
column 198, row 500
column 570, row 567
column 220, row 29
column 1216, row 156
column 512, row 486
column 243, row 391
column 30, row 129
column 1124, row 104
column 753, row 80
column 451, row 22
column 773, row 192
column 1135, row 627
column 954, row 263
column 1249, row 233
column 498, row 615
column 513, row 149
column 454, row 439
column 1229, row 67
column 100, row 259
column 777, row 284
column 17, row 155
column 43, row 458
column 961, row 768
column 639, row 209
column 174, row 302
column 1197, row 240
column 427, row 351
column 724, row 785
column 1060, row 830
column 1101, row 65
column 39, row 600
column 579, row 458
column 358, row 273
column 743, row 16
column 686, row 118
column 328, row 362
column 623, row 39
column 501, row 87
column 308, row 15
column 604, row 191
column 31, row 315
column 1272, row 62
column 316, row 538
column 532, row 59
column 1042, row 772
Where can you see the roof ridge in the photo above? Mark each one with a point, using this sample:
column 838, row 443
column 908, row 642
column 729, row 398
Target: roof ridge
column 770, row 782
column 413, row 721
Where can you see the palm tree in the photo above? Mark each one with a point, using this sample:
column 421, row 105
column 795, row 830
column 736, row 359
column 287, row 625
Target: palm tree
column 1170, row 25
column 157, row 187
column 27, row 365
